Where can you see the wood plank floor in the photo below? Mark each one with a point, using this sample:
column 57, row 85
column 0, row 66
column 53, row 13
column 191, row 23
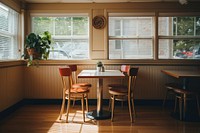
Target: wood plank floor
column 44, row 119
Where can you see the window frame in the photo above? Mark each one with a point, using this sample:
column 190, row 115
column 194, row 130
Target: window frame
column 137, row 38
column 175, row 37
column 12, row 33
column 64, row 37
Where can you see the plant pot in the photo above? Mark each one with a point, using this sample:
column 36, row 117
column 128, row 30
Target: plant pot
column 33, row 54
column 30, row 51
column 98, row 69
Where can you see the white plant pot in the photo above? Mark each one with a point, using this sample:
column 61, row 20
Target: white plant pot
column 98, row 69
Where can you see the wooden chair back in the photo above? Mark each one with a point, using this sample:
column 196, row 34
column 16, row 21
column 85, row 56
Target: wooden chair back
column 132, row 79
column 74, row 74
column 66, row 78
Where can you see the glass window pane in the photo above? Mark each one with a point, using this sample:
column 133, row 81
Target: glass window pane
column 138, row 32
column 131, row 49
column 129, row 27
column 70, row 49
column 70, row 34
column 41, row 24
column 145, row 26
column 80, row 26
column 179, row 49
column 197, row 25
column 63, row 26
column 8, row 37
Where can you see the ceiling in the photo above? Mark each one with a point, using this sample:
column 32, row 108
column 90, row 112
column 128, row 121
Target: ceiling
column 100, row 1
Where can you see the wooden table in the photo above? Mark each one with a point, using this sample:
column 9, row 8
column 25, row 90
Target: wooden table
column 100, row 113
column 184, row 74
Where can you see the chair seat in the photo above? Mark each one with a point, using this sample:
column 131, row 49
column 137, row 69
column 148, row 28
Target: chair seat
column 77, row 85
column 118, row 91
column 78, row 90
column 183, row 91
column 116, row 86
column 173, row 86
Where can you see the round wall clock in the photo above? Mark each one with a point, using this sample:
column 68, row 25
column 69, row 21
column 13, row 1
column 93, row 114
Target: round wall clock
column 99, row 22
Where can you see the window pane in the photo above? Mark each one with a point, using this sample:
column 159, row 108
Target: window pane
column 179, row 49
column 80, row 26
column 41, row 24
column 179, row 37
column 8, row 33
column 63, row 23
column 70, row 34
column 130, row 38
column 131, row 49
column 197, row 25
column 177, row 26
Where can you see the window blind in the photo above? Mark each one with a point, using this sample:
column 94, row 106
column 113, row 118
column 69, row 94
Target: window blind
column 8, row 33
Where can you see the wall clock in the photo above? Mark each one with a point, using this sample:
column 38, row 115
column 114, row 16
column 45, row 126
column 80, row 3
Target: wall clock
column 99, row 22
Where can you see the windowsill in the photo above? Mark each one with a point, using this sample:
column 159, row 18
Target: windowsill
column 10, row 63
column 13, row 63
column 120, row 62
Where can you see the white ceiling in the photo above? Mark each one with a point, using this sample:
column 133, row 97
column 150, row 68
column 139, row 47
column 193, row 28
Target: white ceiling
column 98, row 1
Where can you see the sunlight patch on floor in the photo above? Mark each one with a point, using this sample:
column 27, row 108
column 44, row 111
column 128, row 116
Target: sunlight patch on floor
column 75, row 124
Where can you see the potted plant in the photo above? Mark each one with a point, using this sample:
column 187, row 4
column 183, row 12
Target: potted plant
column 37, row 47
column 99, row 66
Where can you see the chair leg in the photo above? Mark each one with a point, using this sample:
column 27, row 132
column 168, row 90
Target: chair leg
column 62, row 108
column 130, row 109
column 175, row 104
column 197, row 98
column 82, row 102
column 74, row 101
column 86, row 102
column 184, row 105
column 109, row 104
column 68, row 106
column 113, row 106
column 180, row 108
column 165, row 98
column 134, row 112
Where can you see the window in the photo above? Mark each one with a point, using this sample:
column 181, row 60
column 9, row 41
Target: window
column 8, row 33
column 179, row 37
column 130, row 37
column 69, row 32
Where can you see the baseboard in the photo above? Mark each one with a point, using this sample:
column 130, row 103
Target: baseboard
column 11, row 109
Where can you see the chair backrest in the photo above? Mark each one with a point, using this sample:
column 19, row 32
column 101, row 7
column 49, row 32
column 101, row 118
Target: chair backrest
column 125, row 68
column 66, row 77
column 74, row 74
column 132, row 79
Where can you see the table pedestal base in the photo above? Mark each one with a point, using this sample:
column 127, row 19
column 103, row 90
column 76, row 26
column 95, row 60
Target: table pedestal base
column 103, row 115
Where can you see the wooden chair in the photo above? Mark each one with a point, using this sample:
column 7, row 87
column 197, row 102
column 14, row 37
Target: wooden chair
column 78, row 84
column 124, row 69
column 125, row 93
column 182, row 95
column 69, row 92
column 170, row 90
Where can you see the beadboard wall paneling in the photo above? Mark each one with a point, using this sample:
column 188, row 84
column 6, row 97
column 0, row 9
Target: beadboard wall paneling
column 44, row 82
column 11, row 86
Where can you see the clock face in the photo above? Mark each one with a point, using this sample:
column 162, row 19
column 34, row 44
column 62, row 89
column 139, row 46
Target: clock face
column 99, row 22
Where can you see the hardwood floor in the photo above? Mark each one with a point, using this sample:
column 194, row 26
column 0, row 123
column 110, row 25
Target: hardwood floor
column 44, row 119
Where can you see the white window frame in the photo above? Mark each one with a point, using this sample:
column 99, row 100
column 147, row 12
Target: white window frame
column 63, row 37
column 12, row 33
column 176, row 37
column 137, row 37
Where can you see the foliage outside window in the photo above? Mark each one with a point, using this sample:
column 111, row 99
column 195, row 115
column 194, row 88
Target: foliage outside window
column 8, row 33
column 130, row 37
column 179, row 37
column 70, row 35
